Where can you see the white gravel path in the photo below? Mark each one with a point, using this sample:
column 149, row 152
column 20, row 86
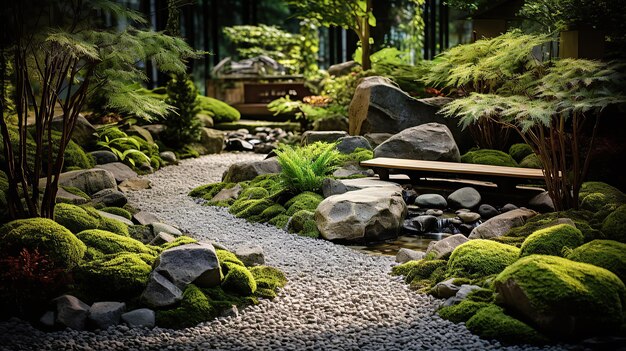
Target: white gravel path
column 336, row 298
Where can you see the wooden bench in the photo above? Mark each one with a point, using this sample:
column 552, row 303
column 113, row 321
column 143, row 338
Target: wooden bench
column 506, row 178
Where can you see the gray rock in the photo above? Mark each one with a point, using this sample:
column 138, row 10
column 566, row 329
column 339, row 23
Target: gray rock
column 115, row 217
column 250, row 255
column 154, row 129
column 158, row 227
column 89, row 181
column 109, row 197
column 231, row 311
column 500, row 224
column 169, row 157
column 160, row 292
column 339, row 186
column 191, row 263
column 467, row 197
column 103, row 157
column 162, row 238
column 342, row 69
column 309, row 137
column 140, row 318
column 141, row 132
column 445, row 289
column 430, row 142
column 145, row 218
column 431, row 201
column 405, row 255
column 541, row 202
column 352, row 170
column 71, row 312
column 465, row 290
column 433, row 212
column 348, row 144
column 425, row 223
column 379, row 106
column 83, row 134
column 134, row 184
column 487, row 211
column 442, row 249
column 67, row 197
column 469, row 217
column 242, row 171
column 211, row 142
column 508, row 207
column 228, row 194
column 367, row 214
column 47, row 319
column 206, row 120
column 376, row 139
column 120, row 171
column 331, row 123
column 105, row 314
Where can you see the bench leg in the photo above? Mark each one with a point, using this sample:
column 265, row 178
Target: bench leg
column 383, row 173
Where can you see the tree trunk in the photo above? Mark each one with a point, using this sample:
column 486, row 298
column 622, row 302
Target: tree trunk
column 365, row 40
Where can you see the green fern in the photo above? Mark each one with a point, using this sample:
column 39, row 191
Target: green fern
column 304, row 168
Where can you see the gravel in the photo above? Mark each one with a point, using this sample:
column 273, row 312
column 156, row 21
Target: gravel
column 336, row 299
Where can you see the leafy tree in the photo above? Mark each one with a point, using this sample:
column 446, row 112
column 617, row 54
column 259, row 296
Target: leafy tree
column 62, row 53
column 355, row 15
column 182, row 125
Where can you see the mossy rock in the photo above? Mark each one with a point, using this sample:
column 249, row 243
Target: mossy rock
column 111, row 133
column 552, row 241
column 239, row 280
column 303, row 201
column 303, row 223
column 614, row 226
column 270, row 213
column 492, row 323
column 270, row 182
column 118, row 277
column 479, row 258
column 602, row 194
column 111, row 243
column 268, row 280
column 563, row 297
column 224, row 257
column 359, row 154
column 421, row 273
column 76, row 191
column 75, row 157
column 579, row 217
column 462, row 311
column 181, row 240
column 221, row 299
column 608, row 254
column 253, row 193
column 509, row 240
column 118, row 211
column 531, row 161
column 208, row 191
column 489, row 157
column 195, row 308
column 249, row 208
column 280, row 221
column 218, row 110
column 520, row 151
column 80, row 218
column 404, row 268
column 61, row 247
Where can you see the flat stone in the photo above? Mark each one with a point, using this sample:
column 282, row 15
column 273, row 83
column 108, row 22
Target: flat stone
column 140, row 318
column 340, row 186
column 67, row 197
column 162, row 238
column 109, row 197
column 89, row 181
column 145, row 218
column 120, row 171
column 351, row 170
column 134, row 184
column 242, row 171
column 501, row 224
column 158, row 227
column 106, row 314
column 442, row 249
column 115, row 217
column 228, row 194
column 469, row 217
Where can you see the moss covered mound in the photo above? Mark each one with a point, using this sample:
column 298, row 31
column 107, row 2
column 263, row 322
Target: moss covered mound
column 563, row 297
column 519, row 151
column 552, row 241
column 208, row 191
column 303, row 201
column 268, row 280
column 492, row 323
column 118, row 211
column 461, row 312
column 194, row 309
column 270, row 182
column 224, row 257
column 359, row 154
column 489, row 157
column 303, row 223
column 78, row 218
column 594, row 196
column 531, row 161
column 44, row 235
column 111, row 243
column 608, row 254
column 119, row 277
column 218, row 110
column 580, row 218
column 421, row 274
column 249, row 208
column 614, row 225
column 479, row 258
column 239, row 280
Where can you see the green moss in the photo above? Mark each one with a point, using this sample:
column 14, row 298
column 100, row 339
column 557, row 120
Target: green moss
column 77, row 219
column 62, row 247
column 461, row 312
column 479, row 258
column 520, row 151
column 608, row 254
column 509, row 240
column 404, row 268
column 221, row 300
column 110, row 243
column 76, row 158
column 208, row 191
column 303, row 201
column 614, row 226
column 239, row 280
column 492, row 323
column 280, row 221
column 76, row 191
column 195, row 308
column 218, row 110
column 268, row 280
column 552, row 241
column 489, row 157
column 118, row 277
column 303, row 223
column 580, row 219
column 253, row 193
column 249, row 208
column 224, row 257
column 422, row 269
column 118, row 211
column 270, row 182
column 602, row 194
column 181, row 240
column 531, row 161
column 111, row 133
column 482, row 295
column 269, row 213
column 359, row 154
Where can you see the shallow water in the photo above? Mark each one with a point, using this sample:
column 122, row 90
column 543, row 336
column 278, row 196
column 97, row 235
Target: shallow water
column 391, row 247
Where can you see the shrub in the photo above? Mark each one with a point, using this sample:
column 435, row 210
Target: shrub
column 239, row 280
column 182, row 126
column 492, row 323
column 218, row 110
column 489, row 157
column 608, row 254
column 194, row 308
column 552, row 240
column 520, row 151
column 304, row 168
column 268, row 279
column 480, row 258
column 614, row 226
column 461, row 312
column 118, row 211
column 44, row 235
column 110, row 243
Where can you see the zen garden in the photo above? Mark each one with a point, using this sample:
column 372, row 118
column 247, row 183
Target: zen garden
column 313, row 175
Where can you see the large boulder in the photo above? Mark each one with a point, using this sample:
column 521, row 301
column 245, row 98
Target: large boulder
column 379, row 106
column 442, row 249
column 242, row 171
column 340, row 186
column 84, row 134
column 191, row 263
column 563, row 297
column 361, row 215
column 502, row 223
column 430, row 142
column 89, row 181
column 120, row 171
